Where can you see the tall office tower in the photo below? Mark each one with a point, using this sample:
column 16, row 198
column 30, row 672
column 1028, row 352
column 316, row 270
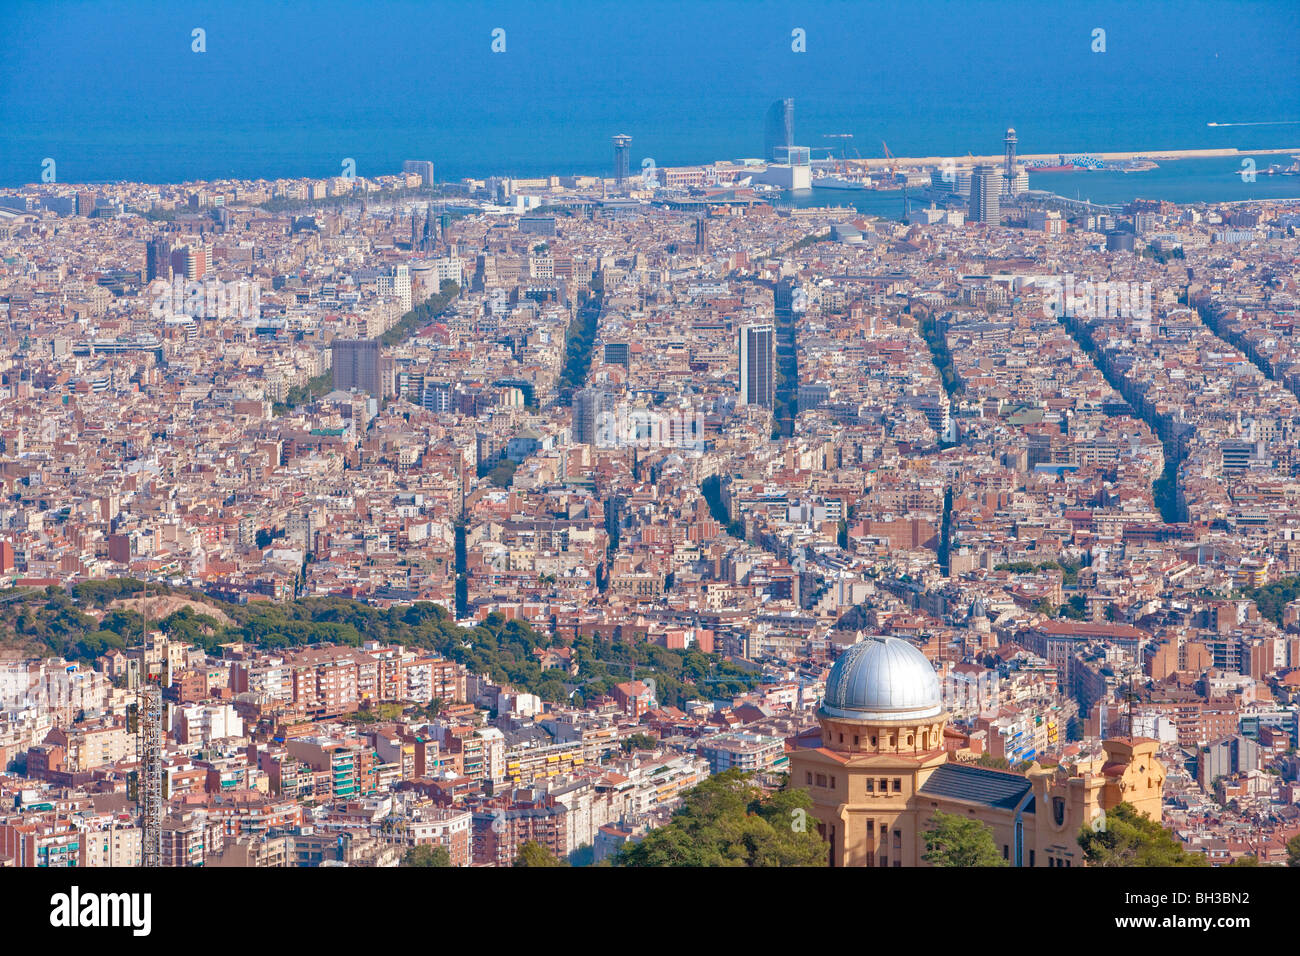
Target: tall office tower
column 589, row 404
column 757, row 365
column 985, row 187
column 157, row 259
column 622, row 158
column 356, row 365
column 422, row 167
column 701, row 234
column 779, row 128
column 1009, row 166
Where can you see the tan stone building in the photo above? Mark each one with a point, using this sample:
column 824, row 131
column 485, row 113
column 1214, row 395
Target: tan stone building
column 878, row 769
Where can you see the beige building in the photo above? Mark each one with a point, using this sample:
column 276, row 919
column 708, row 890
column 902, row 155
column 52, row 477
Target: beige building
column 877, row 769
column 110, row 846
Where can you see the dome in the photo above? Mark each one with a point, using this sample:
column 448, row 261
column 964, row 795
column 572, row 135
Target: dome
column 882, row 678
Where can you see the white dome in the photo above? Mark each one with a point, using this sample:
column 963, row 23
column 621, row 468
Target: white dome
column 882, row 678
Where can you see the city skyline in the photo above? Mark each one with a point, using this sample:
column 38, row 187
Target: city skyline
column 606, row 438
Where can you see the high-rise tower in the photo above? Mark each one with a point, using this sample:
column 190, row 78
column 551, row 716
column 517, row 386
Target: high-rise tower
column 757, row 365
column 622, row 158
column 158, row 259
column 779, row 128
column 355, row 364
column 985, row 189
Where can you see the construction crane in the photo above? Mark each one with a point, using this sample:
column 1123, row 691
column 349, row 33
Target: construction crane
column 148, row 721
column 844, row 145
column 889, row 170
column 151, row 782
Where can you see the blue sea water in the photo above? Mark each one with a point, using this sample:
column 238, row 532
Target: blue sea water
column 114, row 91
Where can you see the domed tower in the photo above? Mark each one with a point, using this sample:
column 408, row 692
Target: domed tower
column 882, row 720
column 877, row 772
column 882, row 696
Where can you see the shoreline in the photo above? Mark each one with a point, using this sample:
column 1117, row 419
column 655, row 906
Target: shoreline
column 1154, row 154
column 857, row 164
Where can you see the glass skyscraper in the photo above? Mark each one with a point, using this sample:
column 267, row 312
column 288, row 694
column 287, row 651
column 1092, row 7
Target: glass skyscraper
column 779, row 128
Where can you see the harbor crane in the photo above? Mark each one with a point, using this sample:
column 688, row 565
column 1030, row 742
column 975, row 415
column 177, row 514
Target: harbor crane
column 889, row 170
column 844, row 147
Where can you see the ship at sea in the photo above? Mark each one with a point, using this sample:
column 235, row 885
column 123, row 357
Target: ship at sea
column 1276, row 169
column 839, row 182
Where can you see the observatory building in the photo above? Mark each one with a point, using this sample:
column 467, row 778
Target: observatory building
column 878, row 768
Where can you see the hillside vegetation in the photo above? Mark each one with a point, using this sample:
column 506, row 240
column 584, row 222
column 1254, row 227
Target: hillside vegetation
column 93, row 618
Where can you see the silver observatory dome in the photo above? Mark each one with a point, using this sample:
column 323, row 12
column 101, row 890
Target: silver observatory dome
column 882, row 678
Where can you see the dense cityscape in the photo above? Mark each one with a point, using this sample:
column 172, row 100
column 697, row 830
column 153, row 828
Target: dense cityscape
column 380, row 521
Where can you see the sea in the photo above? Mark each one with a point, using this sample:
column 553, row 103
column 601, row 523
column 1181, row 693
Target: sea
column 176, row 92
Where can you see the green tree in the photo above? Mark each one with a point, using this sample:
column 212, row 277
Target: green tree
column 954, row 840
column 727, row 821
column 1293, row 851
column 535, row 854
column 502, row 473
column 427, row 856
column 1124, row 837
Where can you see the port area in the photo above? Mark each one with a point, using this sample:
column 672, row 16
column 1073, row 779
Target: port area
column 1150, row 155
